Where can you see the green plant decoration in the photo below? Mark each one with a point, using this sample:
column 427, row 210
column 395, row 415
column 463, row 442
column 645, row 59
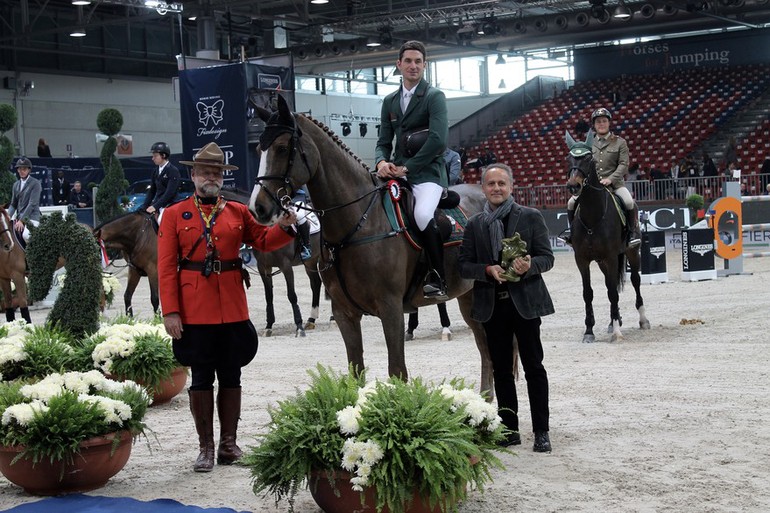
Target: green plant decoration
column 77, row 307
column 694, row 203
column 110, row 121
column 8, row 119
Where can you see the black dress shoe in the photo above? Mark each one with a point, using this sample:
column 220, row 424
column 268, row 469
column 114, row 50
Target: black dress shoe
column 511, row 438
column 542, row 442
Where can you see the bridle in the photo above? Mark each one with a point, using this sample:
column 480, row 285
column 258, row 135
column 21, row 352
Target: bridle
column 7, row 227
column 575, row 168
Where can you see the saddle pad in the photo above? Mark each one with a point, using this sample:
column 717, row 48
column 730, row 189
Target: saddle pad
column 399, row 221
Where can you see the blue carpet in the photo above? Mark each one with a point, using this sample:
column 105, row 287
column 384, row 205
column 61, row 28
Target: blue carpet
column 79, row 503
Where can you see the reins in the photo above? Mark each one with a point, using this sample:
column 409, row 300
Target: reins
column 587, row 183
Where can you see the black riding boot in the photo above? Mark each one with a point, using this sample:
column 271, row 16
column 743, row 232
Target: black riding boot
column 566, row 235
column 25, row 314
column 202, row 408
column 632, row 222
column 433, row 245
column 304, row 237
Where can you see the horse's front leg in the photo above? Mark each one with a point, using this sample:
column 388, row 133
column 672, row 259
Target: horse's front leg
column 349, row 324
column 588, row 299
column 486, row 384
column 131, row 283
column 291, row 293
column 10, row 311
column 611, row 269
column 634, row 261
column 152, row 277
column 267, row 282
column 392, row 318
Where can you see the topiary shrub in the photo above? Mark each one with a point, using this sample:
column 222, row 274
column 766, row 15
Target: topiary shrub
column 8, row 119
column 77, row 307
column 695, row 203
column 110, row 121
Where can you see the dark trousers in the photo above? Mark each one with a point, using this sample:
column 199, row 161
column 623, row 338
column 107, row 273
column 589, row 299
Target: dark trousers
column 203, row 376
column 500, row 329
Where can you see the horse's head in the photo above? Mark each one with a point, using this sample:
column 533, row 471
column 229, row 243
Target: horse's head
column 285, row 163
column 6, row 231
column 581, row 163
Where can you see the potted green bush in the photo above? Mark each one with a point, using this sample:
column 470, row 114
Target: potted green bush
column 68, row 432
column 32, row 352
column 695, row 203
column 141, row 352
column 393, row 445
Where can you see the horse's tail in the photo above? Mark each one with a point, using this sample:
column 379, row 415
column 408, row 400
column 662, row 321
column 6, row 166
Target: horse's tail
column 621, row 271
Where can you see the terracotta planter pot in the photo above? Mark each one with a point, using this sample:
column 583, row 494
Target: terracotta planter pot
column 349, row 500
column 90, row 469
column 167, row 390
column 170, row 388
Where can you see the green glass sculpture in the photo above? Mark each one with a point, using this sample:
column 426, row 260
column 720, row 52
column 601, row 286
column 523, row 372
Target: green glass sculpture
column 513, row 248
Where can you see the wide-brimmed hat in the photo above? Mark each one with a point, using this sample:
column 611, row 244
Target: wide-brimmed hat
column 209, row 155
column 23, row 162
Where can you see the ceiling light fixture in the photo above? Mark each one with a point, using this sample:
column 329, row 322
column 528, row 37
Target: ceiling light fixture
column 319, row 2
column 78, row 32
column 373, row 42
column 502, row 84
column 81, row 2
column 622, row 12
column 500, row 59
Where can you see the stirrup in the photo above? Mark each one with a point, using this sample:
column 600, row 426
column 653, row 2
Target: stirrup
column 434, row 291
column 566, row 237
column 305, row 253
column 634, row 242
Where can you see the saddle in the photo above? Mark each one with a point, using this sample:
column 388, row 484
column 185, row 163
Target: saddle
column 451, row 219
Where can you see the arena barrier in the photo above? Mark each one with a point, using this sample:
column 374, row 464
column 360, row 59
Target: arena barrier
column 725, row 219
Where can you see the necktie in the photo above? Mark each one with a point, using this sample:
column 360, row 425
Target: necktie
column 405, row 100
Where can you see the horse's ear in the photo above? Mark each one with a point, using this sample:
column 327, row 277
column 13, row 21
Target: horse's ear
column 284, row 112
column 590, row 138
column 569, row 139
column 261, row 112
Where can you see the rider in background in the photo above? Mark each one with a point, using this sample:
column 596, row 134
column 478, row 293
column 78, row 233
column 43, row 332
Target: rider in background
column 164, row 183
column 610, row 153
column 414, row 108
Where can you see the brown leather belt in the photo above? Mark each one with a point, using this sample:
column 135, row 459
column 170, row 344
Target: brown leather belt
column 219, row 266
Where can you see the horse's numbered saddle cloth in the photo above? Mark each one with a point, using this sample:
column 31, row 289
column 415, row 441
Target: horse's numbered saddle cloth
column 398, row 206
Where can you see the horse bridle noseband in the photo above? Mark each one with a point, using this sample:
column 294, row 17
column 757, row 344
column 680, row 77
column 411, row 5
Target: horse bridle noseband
column 586, row 183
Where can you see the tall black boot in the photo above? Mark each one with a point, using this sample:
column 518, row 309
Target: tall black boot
column 202, row 408
column 566, row 235
column 632, row 222
column 25, row 314
column 10, row 314
column 229, row 410
column 433, row 245
column 304, row 237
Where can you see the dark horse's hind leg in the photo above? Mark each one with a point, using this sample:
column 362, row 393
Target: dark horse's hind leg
column 315, row 287
column 267, row 282
column 131, row 283
column 414, row 321
column 612, row 280
column 634, row 263
column 288, row 274
column 588, row 299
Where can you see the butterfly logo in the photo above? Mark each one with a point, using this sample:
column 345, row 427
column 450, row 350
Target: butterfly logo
column 211, row 112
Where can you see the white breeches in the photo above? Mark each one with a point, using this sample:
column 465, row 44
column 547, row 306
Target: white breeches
column 426, row 198
column 621, row 192
column 25, row 233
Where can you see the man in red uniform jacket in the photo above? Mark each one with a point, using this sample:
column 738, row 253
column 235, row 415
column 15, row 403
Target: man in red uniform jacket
column 204, row 301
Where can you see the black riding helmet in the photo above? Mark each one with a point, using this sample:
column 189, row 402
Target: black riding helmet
column 600, row 113
column 162, row 148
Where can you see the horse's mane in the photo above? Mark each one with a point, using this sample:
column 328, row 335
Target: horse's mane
column 121, row 216
column 336, row 138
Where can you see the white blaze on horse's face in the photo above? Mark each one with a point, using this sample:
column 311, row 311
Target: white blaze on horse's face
column 7, row 237
column 263, row 158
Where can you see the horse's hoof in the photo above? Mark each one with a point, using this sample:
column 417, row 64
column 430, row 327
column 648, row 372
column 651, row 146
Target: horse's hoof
column 267, row 332
column 332, row 323
column 446, row 334
column 645, row 325
column 610, row 328
column 409, row 335
column 616, row 337
column 299, row 333
column 587, row 339
column 310, row 325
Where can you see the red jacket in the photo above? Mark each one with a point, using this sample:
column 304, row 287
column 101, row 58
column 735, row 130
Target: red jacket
column 218, row 298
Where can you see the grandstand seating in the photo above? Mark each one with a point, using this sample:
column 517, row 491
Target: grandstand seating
column 663, row 118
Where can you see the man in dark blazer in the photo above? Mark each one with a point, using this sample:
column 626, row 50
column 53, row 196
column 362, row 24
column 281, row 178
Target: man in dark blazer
column 60, row 188
column 165, row 181
column 416, row 116
column 25, row 199
column 508, row 308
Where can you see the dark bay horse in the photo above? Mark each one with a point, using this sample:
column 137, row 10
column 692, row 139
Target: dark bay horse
column 13, row 267
column 366, row 267
column 133, row 235
column 285, row 259
column 598, row 236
